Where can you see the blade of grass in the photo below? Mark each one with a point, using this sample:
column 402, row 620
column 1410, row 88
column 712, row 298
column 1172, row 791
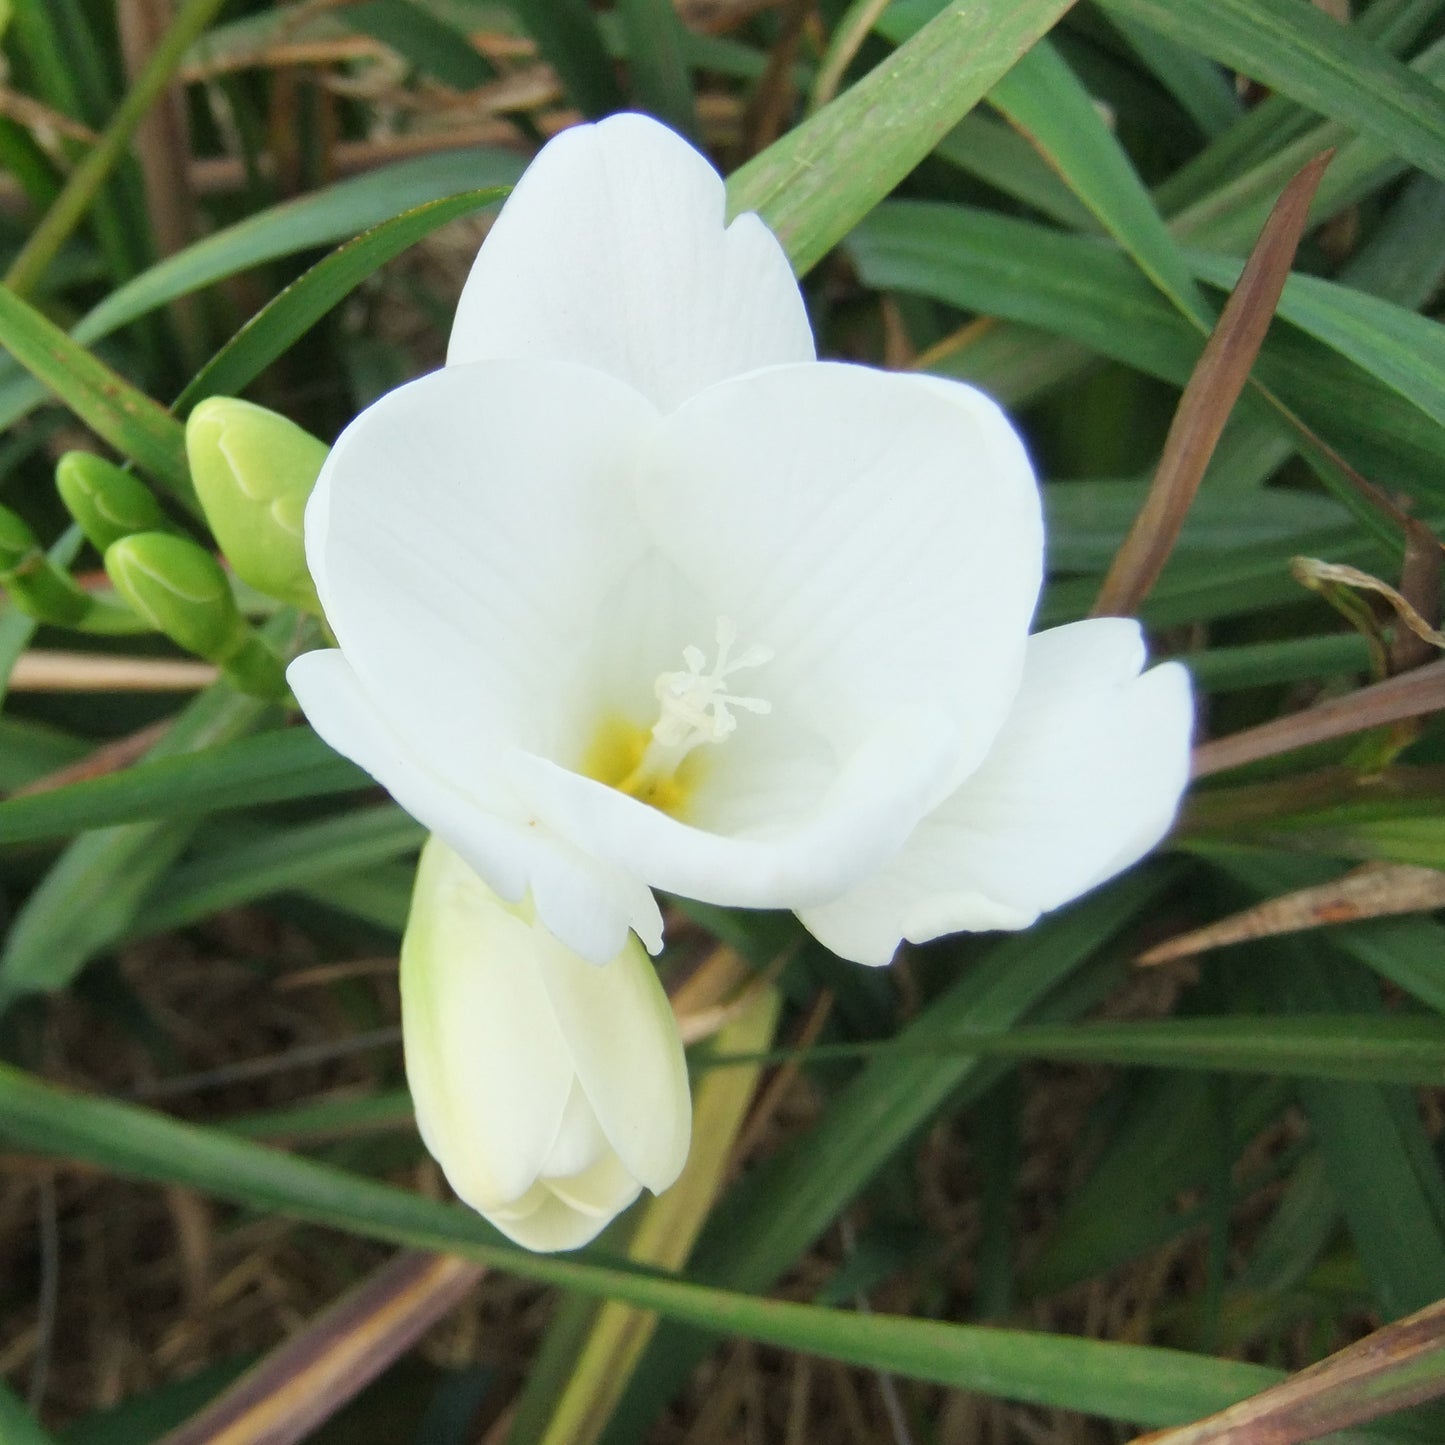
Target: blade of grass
column 1357, row 1047
column 291, row 763
column 1401, row 1365
column 128, row 419
column 1412, row 694
column 91, row 893
column 86, row 179
column 567, row 34
column 578, row 1410
column 820, row 179
column 1130, row 1202
column 334, row 213
column 1209, row 397
column 279, row 860
column 1197, row 84
column 1141, row 1383
column 1319, row 63
column 1277, row 121
column 1403, row 349
column 1044, row 99
column 71, row 73
column 1380, row 1160
column 292, row 312
column 775, row 1213
column 657, row 64
column 436, row 48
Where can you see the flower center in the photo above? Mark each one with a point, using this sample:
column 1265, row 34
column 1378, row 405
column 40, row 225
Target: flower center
column 697, row 708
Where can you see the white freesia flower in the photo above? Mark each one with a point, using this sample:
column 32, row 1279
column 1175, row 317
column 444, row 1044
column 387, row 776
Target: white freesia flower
column 636, row 594
column 550, row 1090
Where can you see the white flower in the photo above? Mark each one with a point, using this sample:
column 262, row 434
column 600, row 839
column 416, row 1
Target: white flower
column 550, row 1090
column 635, row 594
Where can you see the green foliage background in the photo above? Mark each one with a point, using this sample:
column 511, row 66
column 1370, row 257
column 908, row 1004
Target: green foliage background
column 1046, row 200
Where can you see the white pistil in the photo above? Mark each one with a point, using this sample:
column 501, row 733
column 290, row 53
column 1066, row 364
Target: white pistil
column 697, row 707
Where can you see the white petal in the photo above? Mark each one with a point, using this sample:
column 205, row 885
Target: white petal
column 862, row 816
column 881, row 533
column 587, row 904
column 1085, row 778
column 488, row 1068
column 461, row 534
column 628, row 1056
column 612, row 253
column 545, row 1221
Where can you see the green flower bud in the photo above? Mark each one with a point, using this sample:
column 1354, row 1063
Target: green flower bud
column 181, row 590
column 253, row 472
column 108, row 503
column 36, row 585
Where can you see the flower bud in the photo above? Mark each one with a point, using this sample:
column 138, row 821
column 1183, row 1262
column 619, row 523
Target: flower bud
column 253, row 471
column 181, row 590
column 550, row 1090
column 106, row 502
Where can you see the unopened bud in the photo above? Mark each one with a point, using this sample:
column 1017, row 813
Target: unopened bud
column 105, row 501
column 181, row 590
column 253, row 471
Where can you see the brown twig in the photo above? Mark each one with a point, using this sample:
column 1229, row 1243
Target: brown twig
column 1412, row 694
column 304, row 1382
column 1209, row 397
column 1389, row 1370
column 108, row 758
column 97, row 672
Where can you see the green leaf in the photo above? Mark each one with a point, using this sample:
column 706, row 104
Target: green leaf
column 1299, row 50
column 128, row 419
column 17, row 1425
column 89, row 897
column 1276, row 122
column 84, row 182
column 567, row 34
column 1130, row 1202
column 1201, row 88
column 280, row 861
column 291, row 313
column 1261, row 664
column 775, row 1213
column 17, row 628
column 1045, row 100
column 429, row 43
column 657, row 63
column 1087, row 519
column 331, row 214
column 1359, row 1047
column 1404, row 350
column 1136, row 1383
column 291, row 763
column 815, row 184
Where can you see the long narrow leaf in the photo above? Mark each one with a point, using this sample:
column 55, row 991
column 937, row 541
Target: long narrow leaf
column 128, row 419
column 289, row 315
column 819, row 180
column 1130, row 1382
column 293, row 763
column 1297, row 49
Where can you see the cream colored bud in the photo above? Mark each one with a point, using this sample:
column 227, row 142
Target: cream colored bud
column 550, row 1090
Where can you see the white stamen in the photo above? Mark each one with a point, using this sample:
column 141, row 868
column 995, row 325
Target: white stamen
column 696, row 705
